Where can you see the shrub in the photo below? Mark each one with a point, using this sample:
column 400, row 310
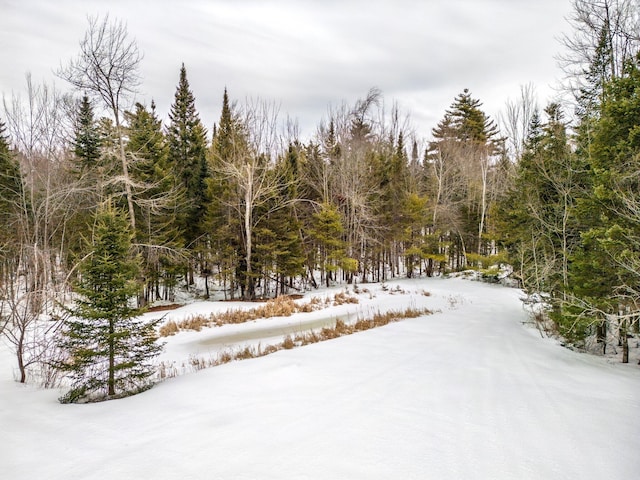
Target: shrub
column 341, row 298
column 288, row 343
column 169, row 328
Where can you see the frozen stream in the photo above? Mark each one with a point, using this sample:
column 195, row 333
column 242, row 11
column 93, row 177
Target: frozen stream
column 263, row 331
column 210, row 341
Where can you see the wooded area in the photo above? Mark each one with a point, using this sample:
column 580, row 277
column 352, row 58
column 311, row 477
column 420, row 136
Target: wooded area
column 255, row 212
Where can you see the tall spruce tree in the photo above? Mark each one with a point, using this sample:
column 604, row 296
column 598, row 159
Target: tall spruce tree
column 223, row 224
column 109, row 348
column 86, row 140
column 156, row 205
column 278, row 243
column 90, row 168
column 149, row 168
column 187, row 141
column 394, row 195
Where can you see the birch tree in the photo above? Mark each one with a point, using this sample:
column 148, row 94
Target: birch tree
column 246, row 161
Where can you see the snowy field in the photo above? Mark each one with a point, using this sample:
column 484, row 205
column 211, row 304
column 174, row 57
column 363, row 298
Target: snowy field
column 466, row 393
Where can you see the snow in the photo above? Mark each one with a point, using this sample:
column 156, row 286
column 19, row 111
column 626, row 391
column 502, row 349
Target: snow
column 469, row 392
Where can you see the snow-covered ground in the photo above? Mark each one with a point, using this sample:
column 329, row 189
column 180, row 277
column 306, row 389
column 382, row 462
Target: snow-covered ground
column 466, row 393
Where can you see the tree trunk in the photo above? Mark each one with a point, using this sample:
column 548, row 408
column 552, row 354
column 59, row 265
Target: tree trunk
column 20, row 354
column 112, row 353
column 125, row 172
column 601, row 335
column 625, row 341
column 248, row 220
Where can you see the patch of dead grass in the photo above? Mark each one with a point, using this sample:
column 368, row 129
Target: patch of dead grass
column 342, row 298
column 340, row 329
column 283, row 306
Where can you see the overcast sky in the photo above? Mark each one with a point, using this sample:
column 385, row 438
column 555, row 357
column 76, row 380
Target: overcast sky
column 306, row 55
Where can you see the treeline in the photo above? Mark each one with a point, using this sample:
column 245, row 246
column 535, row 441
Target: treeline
column 255, row 212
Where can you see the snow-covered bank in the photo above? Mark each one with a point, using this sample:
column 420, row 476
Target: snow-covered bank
column 466, row 393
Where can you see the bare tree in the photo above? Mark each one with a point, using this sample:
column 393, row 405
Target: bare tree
column 516, row 120
column 360, row 131
column 34, row 276
column 32, row 337
column 605, row 34
column 107, row 68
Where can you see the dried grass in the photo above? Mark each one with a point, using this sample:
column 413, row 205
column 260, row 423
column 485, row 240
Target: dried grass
column 169, row 328
column 288, row 343
column 340, row 329
column 283, row 306
column 342, row 298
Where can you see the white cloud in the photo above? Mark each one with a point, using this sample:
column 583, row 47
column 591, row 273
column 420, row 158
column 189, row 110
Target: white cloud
column 306, row 55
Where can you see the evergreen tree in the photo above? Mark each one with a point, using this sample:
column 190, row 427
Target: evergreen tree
column 186, row 137
column 416, row 244
column 92, row 168
column 156, row 200
column 604, row 270
column 108, row 167
column 391, row 168
column 538, row 214
column 108, row 347
column 278, row 243
column 150, row 170
column 469, row 122
column 327, row 247
column 462, row 156
column 223, row 224
column 86, row 140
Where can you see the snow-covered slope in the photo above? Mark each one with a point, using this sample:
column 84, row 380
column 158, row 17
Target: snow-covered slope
column 466, row 393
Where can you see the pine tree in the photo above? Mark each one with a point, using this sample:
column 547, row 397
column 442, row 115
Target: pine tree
column 149, row 168
column 156, row 205
column 465, row 121
column 416, row 245
column 92, row 167
column 108, row 347
column 462, row 155
column 278, row 243
column 604, row 269
column 186, row 137
column 537, row 215
column 86, row 141
column 223, row 224
column 327, row 245
column 390, row 166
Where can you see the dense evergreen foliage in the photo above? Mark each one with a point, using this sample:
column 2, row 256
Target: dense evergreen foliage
column 86, row 140
column 186, row 138
column 108, row 346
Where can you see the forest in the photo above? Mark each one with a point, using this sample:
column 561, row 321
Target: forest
column 104, row 202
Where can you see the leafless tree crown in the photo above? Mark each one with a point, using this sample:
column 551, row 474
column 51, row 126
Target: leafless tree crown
column 107, row 65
